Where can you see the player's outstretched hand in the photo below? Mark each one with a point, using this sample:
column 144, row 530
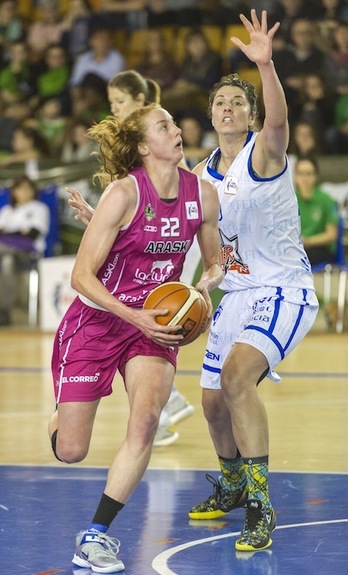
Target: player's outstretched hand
column 259, row 50
column 84, row 212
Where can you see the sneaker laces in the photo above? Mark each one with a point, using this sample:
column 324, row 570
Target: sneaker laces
column 217, row 494
column 106, row 543
column 253, row 517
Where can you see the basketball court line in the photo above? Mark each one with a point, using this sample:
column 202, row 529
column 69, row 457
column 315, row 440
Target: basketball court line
column 159, row 563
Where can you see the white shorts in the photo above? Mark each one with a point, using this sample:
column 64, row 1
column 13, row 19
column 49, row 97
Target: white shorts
column 273, row 320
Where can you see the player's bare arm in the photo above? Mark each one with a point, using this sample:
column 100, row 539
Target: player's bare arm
column 96, row 243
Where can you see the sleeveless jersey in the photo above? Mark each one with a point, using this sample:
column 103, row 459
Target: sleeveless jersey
column 259, row 226
column 152, row 248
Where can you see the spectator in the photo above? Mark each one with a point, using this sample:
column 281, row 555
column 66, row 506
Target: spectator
column 51, row 124
column 329, row 14
column 196, row 142
column 336, row 63
column 300, row 58
column 17, row 80
column 316, row 105
column 76, row 25
column 24, row 224
column 78, row 146
column 53, row 81
column 318, row 212
column 174, row 12
column 102, row 60
column 287, row 12
column 341, row 125
column 305, row 140
column 27, row 146
column 12, row 28
column 47, row 29
column 92, row 102
column 201, row 68
column 157, row 63
column 126, row 14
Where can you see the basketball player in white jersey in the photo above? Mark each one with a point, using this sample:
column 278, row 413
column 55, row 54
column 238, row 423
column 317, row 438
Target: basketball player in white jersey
column 138, row 238
column 269, row 303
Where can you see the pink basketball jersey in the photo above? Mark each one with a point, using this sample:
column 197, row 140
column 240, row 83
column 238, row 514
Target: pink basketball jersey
column 151, row 250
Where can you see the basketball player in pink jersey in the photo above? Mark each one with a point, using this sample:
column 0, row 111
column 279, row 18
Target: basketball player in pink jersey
column 269, row 303
column 143, row 226
column 128, row 91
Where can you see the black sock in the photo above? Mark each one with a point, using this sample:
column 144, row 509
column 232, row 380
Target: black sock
column 106, row 512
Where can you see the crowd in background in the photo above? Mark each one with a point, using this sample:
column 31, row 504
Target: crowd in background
column 55, row 63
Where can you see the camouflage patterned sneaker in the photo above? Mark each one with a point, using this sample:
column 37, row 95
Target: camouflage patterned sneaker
column 259, row 523
column 220, row 502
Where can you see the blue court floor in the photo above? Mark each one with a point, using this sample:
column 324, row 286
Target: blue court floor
column 42, row 508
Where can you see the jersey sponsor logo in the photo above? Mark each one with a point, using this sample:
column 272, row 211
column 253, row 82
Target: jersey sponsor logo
column 231, row 259
column 168, row 247
column 126, row 298
column 191, row 210
column 231, row 185
column 149, row 213
column 150, row 228
column 110, row 266
column 160, row 271
column 81, row 378
column 213, row 356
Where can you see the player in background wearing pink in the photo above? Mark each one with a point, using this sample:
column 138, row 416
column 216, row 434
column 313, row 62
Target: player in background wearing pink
column 138, row 238
column 128, row 91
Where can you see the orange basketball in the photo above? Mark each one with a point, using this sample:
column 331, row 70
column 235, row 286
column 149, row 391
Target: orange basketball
column 186, row 307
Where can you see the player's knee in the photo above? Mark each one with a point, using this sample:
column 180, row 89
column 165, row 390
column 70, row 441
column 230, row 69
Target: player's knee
column 68, row 454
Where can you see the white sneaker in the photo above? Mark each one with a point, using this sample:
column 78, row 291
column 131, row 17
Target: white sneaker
column 165, row 436
column 98, row 552
column 178, row 408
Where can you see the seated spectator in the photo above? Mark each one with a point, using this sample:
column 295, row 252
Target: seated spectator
column 287, row 12
column 305, row 140
column 102, row 60
column 24, row 224
column 78, row 146
column 197, row 143
column 12, row 28
column 47, row 29
column 340, row 142
column 174, row 12
column 53, row 81
column 76, row 26
column 316, row 105
column 329, row 13
column 91, row 105
column 336, row 62
column 298, row 59
column 318, row 213
column 51, row 124
column 202, row 67
column 157, row 62
column 17, row 79
column 27, row 146
column 126, row 14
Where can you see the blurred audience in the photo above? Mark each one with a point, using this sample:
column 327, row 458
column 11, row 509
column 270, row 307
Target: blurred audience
column 157, row 62
column 47, row 29
column 174, row 12
column 27, row 146
column 198, row 143
column 17, row 81
column 318, row 213
column 24, row 224
column 78, row 146
column 12, row 28
column 76, row 26
column 125, row 14
column 201, row 68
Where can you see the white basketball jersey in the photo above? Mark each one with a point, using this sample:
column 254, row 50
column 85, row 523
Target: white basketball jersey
column 259, row 226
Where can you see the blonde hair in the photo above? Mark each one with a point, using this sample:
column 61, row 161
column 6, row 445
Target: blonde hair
column 119, row 144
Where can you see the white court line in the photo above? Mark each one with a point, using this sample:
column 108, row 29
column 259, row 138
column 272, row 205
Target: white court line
column 159, row 563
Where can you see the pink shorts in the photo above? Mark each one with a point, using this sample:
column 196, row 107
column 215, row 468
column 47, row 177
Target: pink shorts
column 90, row 346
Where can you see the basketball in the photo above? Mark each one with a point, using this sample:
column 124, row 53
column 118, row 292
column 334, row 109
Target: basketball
column 186, row 307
